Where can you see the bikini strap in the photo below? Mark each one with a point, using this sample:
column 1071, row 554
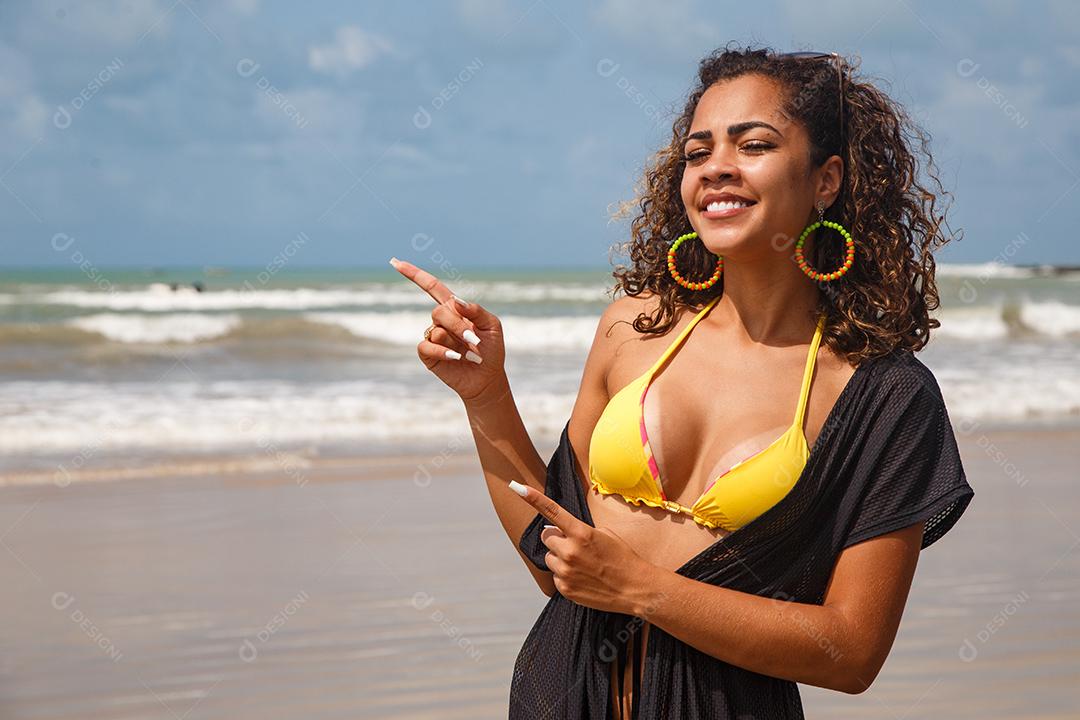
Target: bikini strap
column 811, row 359
column 678, row 340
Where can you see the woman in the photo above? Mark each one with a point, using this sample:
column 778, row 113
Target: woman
column 755, row 457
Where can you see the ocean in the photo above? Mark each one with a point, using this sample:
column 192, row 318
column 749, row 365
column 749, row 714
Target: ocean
column 113, row 368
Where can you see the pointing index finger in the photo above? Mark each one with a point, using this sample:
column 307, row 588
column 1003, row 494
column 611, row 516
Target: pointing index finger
column 556, row 514
column 425, row 280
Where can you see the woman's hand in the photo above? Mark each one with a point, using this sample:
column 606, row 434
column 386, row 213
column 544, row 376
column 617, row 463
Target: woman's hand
column 592, row 566
column 447, row 351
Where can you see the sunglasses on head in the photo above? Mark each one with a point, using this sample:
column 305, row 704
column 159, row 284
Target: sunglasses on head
column 812, row 55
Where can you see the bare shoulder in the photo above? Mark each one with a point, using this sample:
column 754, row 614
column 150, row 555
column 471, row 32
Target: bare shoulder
column 617, row 321
column 616, row 326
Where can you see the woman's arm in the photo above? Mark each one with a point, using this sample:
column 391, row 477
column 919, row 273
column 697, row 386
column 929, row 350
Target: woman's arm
column 840, row 645
column 507, row 453
column 505, row 449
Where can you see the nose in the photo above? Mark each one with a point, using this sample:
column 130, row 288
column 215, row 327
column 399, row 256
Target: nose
column 719, row 167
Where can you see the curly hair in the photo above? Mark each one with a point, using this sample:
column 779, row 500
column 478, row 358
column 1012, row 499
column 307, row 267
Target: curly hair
column 884, row 301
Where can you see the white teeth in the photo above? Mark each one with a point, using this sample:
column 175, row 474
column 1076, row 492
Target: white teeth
column 725, row 205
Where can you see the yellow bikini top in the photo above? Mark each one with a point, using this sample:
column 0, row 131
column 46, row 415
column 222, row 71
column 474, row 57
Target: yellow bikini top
column 621, row 461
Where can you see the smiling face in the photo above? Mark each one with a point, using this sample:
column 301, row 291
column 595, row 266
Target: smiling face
column 744, row 147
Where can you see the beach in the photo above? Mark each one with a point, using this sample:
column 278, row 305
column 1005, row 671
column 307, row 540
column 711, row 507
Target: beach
column 249, row 499
column 384, row 587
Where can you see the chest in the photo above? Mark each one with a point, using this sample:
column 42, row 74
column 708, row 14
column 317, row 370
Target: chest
column 702, row 414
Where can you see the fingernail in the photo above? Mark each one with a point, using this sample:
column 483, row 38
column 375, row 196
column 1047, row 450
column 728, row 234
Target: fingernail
column 460, row 301
column 554, row 527
column 470, row 355
column 470, row 336
column 519, row 488
column 453, row 354
column 394, row 261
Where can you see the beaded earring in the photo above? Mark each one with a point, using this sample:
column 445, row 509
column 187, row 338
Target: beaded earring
column 849, row 257
column 683, row 281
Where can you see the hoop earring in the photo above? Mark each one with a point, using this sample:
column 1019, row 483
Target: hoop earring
column 849, row 257
column 683, row 281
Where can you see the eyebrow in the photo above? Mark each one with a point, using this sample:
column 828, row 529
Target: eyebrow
column 732, row 131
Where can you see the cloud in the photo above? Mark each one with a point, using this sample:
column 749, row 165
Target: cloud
column 352, row 49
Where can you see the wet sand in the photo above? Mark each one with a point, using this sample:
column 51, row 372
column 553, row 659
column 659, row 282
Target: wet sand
column 385, row 587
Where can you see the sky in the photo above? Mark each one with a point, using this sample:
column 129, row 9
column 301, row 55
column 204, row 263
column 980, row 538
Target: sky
column 476, row 132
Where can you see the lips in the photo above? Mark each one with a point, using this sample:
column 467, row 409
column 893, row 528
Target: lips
column 725, row 208
column 724, row 197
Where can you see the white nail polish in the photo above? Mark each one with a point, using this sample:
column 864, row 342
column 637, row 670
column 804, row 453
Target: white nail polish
column 453, row 354
column 394, row 261
column 470, row 336
column 553, row 527
column 519, row 488
column 459, row 301
column 470, row 355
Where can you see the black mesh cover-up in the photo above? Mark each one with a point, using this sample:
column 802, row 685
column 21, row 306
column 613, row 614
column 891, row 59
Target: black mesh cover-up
column 886, row 458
